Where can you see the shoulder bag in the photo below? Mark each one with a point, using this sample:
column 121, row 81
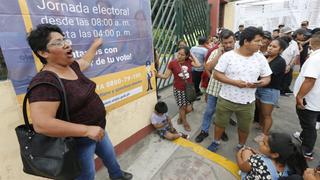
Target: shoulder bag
column 45, row 156
column 190, row 90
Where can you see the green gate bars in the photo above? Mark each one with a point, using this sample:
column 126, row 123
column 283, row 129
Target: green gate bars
column 173, row 20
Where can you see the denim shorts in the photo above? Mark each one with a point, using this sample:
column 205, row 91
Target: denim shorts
column 162, row 132
column 268, row 95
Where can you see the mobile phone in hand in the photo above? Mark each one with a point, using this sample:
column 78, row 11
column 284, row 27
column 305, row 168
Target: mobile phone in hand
column 304, row 102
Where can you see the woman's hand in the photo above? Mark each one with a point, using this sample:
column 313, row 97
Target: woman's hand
column 246, row 153
column 97, row 42
column 288, row 67
column 95, row 133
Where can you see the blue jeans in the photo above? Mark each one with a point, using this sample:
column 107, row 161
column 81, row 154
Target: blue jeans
column 104, row 150
column 207, row 116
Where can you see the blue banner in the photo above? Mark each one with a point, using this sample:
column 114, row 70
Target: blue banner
column 125, row 26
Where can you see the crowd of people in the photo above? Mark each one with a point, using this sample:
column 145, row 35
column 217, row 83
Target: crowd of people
column 244, row 74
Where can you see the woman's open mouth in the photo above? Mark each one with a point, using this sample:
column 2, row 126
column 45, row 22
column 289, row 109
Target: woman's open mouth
column 69, row 53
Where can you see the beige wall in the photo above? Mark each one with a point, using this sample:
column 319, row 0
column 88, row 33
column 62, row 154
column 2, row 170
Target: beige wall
column 229, row 12
column 121, row 124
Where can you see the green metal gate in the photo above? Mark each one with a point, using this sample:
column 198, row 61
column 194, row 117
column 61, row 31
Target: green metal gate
column 173, row 20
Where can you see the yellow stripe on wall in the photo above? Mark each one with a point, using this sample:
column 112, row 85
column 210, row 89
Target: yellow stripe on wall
column 28, row 25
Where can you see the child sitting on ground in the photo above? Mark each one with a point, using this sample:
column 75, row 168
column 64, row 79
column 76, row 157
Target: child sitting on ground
column 279, row 157
column 162, row 122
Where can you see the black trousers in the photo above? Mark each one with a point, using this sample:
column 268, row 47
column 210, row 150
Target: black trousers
column 286, row 81
column 308, row 121
column 196, row 78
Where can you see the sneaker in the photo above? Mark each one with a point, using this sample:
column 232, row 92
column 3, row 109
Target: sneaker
column 184, row 136
column 318, row 126
column 232, row 122
column 199, row 93
column 224, row 137
column 288, row 91
column 308, row 156
column 296, row 135
column 201, row 136
column 214, row 146
column 259, row 138
column 125, row 176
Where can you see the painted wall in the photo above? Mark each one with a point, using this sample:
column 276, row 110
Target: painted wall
column 121, row 124
column 271, row 14
column 229, row 16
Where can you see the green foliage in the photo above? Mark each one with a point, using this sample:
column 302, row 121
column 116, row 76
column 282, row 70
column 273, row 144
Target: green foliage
column 162, row 40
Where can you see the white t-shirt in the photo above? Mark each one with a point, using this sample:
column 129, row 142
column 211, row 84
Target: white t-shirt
column 157, row 119
column 238, row 67
column 311, row 68
column 290, row 52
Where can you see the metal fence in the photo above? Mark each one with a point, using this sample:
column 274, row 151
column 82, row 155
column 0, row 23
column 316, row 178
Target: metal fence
column 173, row 20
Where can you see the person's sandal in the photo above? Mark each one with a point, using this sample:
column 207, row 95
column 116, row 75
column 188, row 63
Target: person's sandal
column 184, row 136
column 187, row 127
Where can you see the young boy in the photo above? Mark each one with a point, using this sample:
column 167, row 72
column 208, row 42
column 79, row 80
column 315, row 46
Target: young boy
column 162, row 122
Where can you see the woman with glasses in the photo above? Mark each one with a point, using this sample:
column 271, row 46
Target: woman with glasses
column 87, row 112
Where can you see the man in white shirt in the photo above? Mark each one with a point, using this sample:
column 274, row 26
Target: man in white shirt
column 239, row 71
column 307, row 92
column 227, row 39
column 290, row 55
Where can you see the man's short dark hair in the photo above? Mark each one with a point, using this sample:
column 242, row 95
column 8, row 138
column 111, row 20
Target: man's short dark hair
column 315, row 30
column 276, row 30
column 161, row 107
column 39, row 38
column 241, row 25
column 202, row 40
column 316, row 38
column 249, row 34
column 225, row 34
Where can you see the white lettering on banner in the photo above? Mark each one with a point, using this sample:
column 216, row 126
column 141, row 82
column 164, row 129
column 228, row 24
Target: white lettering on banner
column 63, row 7
column 110, row 11
column 116, row 82
column 82, row 9
column 57, row 21
column 122, row 96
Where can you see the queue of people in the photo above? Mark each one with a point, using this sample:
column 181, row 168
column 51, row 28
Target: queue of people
column 241, row 79
column 249, row 71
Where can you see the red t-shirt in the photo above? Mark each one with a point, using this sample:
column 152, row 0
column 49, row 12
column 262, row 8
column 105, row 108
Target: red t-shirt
column 178, row 81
